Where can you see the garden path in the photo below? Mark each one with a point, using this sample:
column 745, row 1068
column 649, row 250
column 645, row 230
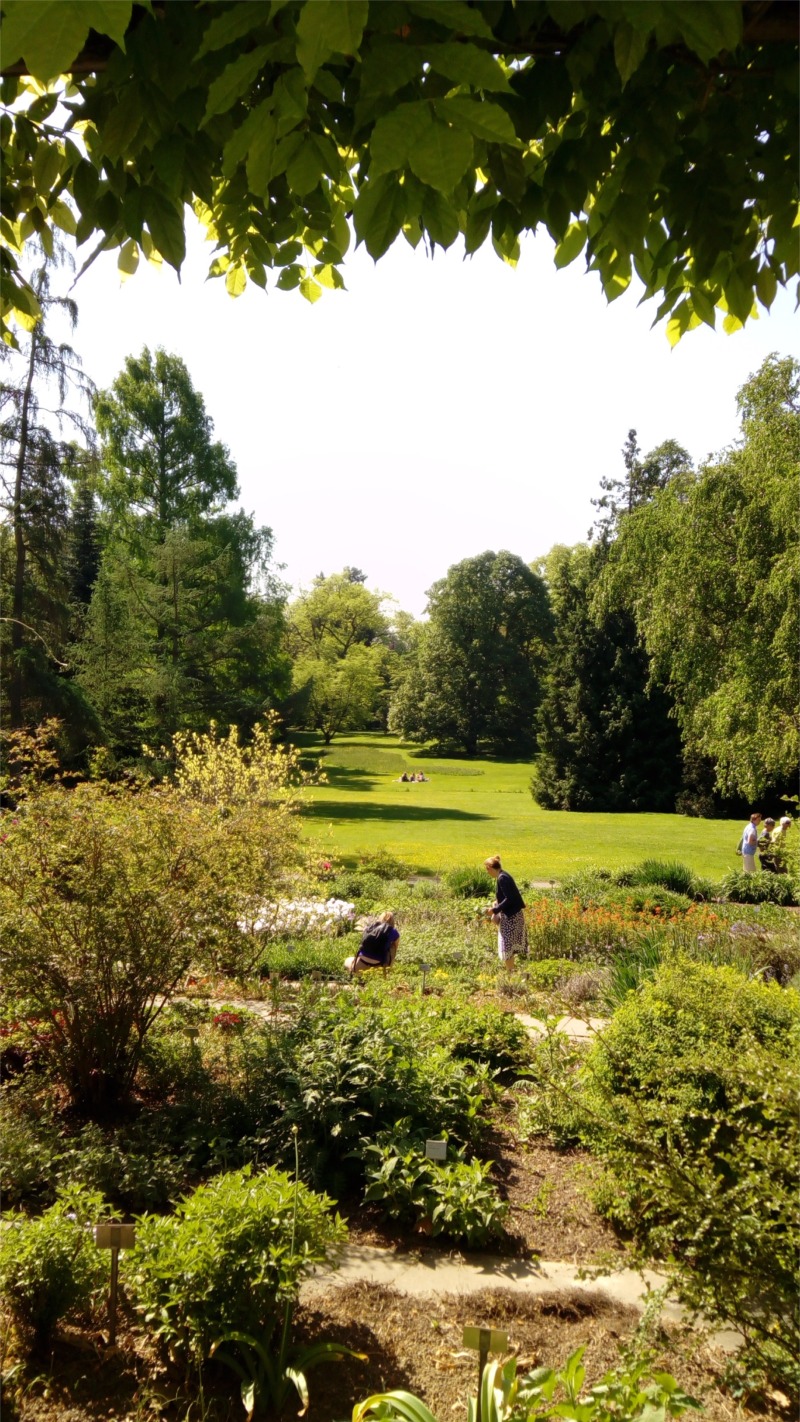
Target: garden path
column 578, row 1028
column 419, row 1274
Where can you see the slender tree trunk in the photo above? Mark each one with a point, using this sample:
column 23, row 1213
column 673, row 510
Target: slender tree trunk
column 18, row 600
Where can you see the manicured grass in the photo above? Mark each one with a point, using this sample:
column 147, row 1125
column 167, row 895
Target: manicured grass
column 470, row 809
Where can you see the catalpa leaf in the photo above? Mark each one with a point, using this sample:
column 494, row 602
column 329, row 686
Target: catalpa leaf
column 465, row 64
column 442, row 156
column 327, row 27
column 484, row 120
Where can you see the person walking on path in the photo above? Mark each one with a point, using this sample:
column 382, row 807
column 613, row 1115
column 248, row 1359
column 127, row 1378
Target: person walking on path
column 508, row 913
column 749, row 843
column 778, row 846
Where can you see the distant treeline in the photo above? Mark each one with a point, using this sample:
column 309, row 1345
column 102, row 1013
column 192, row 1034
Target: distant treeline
column 653, row 667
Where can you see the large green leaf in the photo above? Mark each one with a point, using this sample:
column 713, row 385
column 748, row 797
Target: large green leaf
column 233, row 24
column 395, row 136
column 235, row 80
column 305, row 169
column 261, row 153
column 378, row 214
column 571, row 245
column 483, row 119
column 630, row 47
column 389, row 66
column 165, row 222
column 45, row 34
column 708, row 26
column 327, row 27
column 453, row 15
column 442, row 156
column 466, row 64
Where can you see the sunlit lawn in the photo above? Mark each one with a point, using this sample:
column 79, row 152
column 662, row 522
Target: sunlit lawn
column 470, row 809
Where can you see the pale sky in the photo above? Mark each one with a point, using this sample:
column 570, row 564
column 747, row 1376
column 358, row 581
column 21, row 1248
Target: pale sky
column 434, row 409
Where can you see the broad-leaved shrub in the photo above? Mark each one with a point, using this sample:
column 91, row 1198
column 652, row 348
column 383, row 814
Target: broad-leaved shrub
column 229, row 1258
column 49, row 1266
column 453, row 1197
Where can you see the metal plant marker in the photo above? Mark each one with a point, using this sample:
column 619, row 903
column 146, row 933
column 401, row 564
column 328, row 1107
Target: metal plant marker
column 486, row 1341
column 436, row 1150
column 424, row 969
column 114, row 1237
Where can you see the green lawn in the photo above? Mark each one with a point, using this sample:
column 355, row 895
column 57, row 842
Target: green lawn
column 473, row 808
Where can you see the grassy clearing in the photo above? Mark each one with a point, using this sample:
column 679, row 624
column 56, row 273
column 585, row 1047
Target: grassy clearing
column 472, row 808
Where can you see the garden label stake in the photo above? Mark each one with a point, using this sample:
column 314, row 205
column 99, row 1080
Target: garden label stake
column 436, row 1150
column 486, row 1341
column 114, row 1237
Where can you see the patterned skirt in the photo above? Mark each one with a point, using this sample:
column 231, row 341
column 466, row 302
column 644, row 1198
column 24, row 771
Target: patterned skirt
column 512, row 936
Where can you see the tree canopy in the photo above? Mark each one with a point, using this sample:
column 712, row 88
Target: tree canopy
column 710, row 568
column 658, row 138
column 480, row 658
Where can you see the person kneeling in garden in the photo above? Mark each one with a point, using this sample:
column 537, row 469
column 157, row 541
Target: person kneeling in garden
column 378, row 945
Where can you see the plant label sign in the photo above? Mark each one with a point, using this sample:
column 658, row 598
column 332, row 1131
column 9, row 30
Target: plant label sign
column 115, row 1236
column 436, row 1150
column 486, row 1340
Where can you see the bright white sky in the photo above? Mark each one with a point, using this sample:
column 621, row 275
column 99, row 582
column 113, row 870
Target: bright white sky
column 434, row 409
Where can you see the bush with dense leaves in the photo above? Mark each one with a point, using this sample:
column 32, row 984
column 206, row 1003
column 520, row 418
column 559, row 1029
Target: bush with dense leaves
column 690, row 1098
column 469, row 882
column 760, row 888
column 49, row 1266
column 664, row 873
column 454, row 1197
column 229, row 1258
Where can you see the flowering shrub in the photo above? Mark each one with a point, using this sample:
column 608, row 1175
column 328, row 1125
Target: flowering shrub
column 559, row 929
column 312, row 916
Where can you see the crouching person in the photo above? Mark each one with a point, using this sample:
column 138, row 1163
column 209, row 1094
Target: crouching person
column 378, row 946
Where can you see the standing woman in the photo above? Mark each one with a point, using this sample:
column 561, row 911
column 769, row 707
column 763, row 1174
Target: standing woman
column 508, row 913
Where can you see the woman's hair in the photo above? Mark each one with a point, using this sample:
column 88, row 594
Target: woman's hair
column 387, row 917
column 493, row 863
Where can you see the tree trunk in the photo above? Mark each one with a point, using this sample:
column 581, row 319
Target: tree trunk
column 18, row 599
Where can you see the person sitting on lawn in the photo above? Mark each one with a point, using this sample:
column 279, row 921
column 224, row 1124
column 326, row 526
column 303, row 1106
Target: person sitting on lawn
column 378, row 946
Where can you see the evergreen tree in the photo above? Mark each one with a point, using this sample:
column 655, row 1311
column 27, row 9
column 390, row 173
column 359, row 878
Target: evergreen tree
column 605, row 737
column 41, row 392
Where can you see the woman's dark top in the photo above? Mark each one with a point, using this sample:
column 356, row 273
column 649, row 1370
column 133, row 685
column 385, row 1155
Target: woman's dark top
column 509, row 899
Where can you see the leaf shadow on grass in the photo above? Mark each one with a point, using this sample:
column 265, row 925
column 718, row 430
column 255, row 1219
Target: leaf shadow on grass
column 341, row 779
column 358, row 810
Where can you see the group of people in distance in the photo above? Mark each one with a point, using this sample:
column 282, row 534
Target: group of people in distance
column 378, row 947
column 412, row 779
column 769, row 845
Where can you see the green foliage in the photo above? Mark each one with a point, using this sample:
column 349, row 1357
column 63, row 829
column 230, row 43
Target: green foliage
column 667, row 873
column 605, row 737
column 633, row 1391
column 276, row 125
column 354, row 1074
column 228, row 1258
column 268, row 1378
column 469, row 882
column 477, row 672
column 107, row 897
column 736, row 521
column 175, row 633
column 690, row 1098
column 454, row 1198
column 49, row 1266
column 759, row 888
column 336, row 634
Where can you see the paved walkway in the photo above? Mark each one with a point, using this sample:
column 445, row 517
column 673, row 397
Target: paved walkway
column 420, row 1274
column 578, row 1028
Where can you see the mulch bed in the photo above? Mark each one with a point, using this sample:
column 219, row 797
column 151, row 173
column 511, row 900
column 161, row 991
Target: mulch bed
column 413, row 1343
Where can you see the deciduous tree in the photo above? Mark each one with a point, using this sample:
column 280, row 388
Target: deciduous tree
column 477, row 677
column 659, row 139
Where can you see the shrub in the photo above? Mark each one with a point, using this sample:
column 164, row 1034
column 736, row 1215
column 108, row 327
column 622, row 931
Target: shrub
column 469, row 882
column 548, row 973
column 229, row 1258
column 665, row 873
column 353, row 1075
column 454, row 1198
column 49, row 1267
column 690, row 1099
column 383, row 865
column 367, row 888
column 106, row 896
column 759, row 888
